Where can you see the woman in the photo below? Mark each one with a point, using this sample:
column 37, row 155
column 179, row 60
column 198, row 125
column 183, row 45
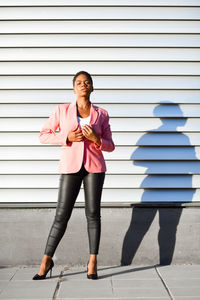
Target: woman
column 84, row 132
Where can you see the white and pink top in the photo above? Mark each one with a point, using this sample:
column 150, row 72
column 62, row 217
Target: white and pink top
column 83, row 121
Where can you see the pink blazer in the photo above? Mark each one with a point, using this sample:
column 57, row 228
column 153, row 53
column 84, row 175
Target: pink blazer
column 73, row 154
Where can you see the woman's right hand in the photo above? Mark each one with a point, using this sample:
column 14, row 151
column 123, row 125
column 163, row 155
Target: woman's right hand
column 75, row 135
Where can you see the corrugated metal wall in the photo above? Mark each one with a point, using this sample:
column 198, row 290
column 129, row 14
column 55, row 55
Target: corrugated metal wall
column 145, row 62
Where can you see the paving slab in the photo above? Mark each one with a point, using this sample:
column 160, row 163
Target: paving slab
column 41, row 289
column 180, row 271
column 182, row 281
column 149, row 293
column 138, row 283
column 92, row 289
column 3, row 285
column 189, row 292
column 187, row 298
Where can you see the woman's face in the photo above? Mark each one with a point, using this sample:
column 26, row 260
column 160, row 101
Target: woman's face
column 82, row 85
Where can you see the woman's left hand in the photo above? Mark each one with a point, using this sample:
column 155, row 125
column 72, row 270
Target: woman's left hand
column 90, row 134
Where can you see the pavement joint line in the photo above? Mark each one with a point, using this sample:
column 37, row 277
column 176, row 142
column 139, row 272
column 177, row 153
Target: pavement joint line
column 112, row 286
column 165, row 284
column 14, row 273
column 58, row 284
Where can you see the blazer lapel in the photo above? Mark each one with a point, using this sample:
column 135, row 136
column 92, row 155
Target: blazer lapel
column 94, row 114
column 72, row 113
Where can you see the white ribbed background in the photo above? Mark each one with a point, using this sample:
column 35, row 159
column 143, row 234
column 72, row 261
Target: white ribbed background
column 144, row 57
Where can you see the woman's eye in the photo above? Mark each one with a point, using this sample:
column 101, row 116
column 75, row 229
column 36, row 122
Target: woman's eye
column 87, row 82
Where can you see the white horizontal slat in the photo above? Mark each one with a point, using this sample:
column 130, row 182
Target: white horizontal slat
column 159, row 153
column 99, row 3
column 108, row 195
column 111, row 181
column 101, row 96
column 100, row 54
column 119, row 68
column 103, row 82
column 100, row 40
column 158, row 139
column 117, row 124
column 120, row 138
column 30, row 153
column 152, row 124
column 87, row 13
column 115, row 110
column 120, row 153
column 114, row 167
column 126, row 26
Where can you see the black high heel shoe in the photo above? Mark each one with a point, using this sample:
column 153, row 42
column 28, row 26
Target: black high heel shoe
column 92, row 276
column 38, row 277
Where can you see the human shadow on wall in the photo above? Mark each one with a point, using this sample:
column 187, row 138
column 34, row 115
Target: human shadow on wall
column 162, row 187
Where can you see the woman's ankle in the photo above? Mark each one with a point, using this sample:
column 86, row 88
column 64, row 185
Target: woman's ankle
column 46, row 258
column 93, row 259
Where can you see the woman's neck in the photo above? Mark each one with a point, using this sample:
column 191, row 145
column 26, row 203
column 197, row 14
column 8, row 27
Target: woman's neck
column 83, row 103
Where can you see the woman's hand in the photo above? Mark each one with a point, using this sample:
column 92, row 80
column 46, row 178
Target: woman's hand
column 75, row 135
column 91, row 135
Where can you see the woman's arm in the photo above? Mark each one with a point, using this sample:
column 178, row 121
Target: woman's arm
column 48, row 133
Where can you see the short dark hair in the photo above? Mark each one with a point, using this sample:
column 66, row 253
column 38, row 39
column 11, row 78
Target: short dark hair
column 89, row 77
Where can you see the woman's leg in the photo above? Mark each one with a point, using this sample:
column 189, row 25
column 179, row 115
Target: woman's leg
column 68, row 191
column 93, row 184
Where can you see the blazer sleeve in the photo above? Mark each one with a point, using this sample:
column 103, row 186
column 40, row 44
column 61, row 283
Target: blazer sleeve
column 107, row 143
column 48, row 133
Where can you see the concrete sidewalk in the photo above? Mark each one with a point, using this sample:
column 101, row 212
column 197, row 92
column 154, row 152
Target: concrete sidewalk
column 115, row 282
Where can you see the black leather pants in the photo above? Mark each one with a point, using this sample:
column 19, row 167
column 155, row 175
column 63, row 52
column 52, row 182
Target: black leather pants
column 69, row 188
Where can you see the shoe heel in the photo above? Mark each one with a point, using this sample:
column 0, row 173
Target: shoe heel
column 50, row 272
